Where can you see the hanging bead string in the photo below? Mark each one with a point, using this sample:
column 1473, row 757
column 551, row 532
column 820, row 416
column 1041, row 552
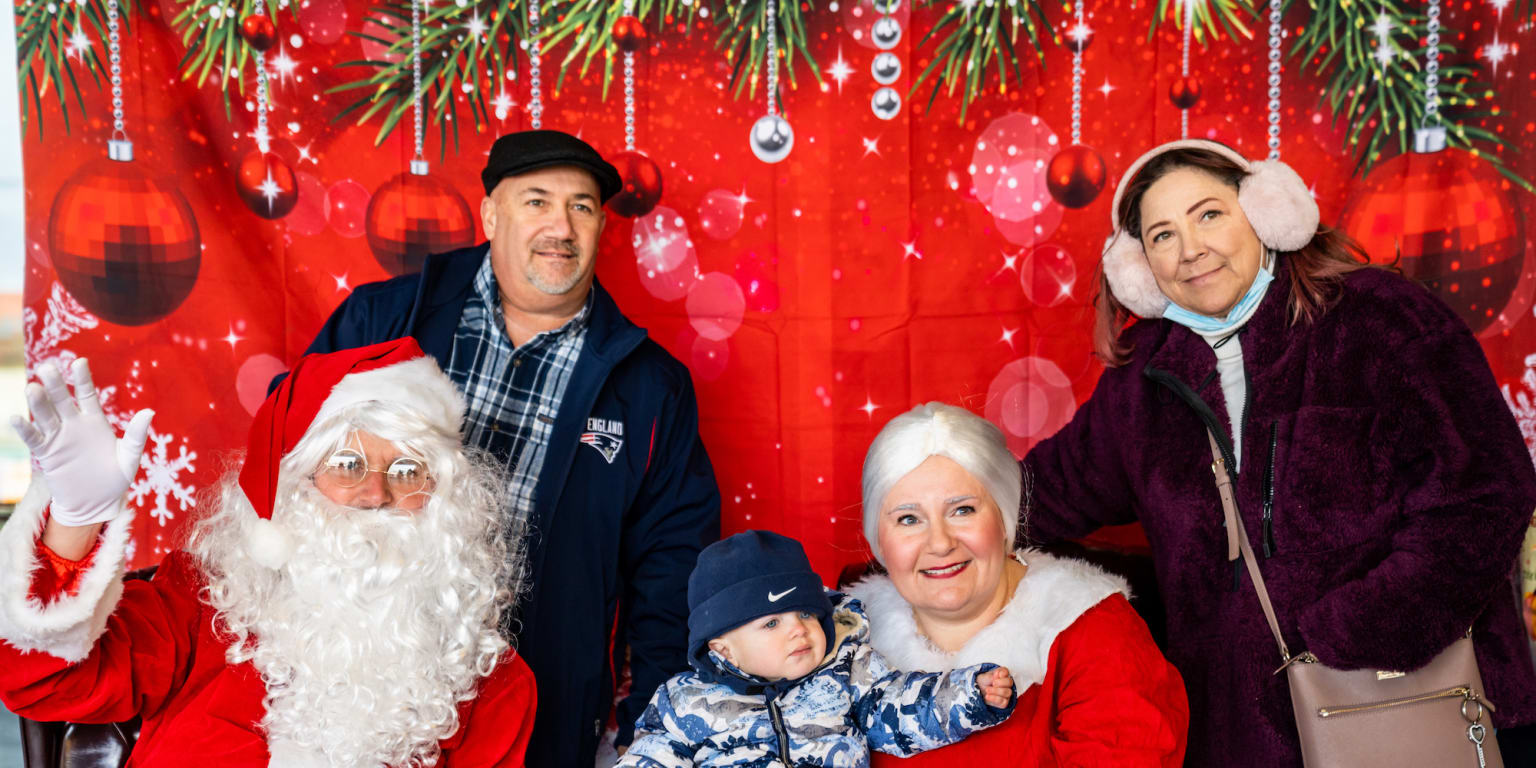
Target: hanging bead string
column 629, row 88
column 417, row 161
column 1275, row 31
column 772, row 26
column 535, row 97
column 1077, row 79
column 1189, row 21
column 1432, row 67
column 120, row 147
column 263, row 138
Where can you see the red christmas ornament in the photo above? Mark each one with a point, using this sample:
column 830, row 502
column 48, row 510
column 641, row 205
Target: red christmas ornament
column 412, row 216
column 266, row 184
column 125, row 245
column 1075, row 176
column 258, row 31
column 642, row 185
column 629, row 34
column 1185, row 92
column 1451, row 223
column 1079, row 37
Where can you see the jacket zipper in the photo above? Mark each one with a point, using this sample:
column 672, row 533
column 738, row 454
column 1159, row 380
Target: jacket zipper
column 1459, row 692
column 780, row 732
column 1269, row 492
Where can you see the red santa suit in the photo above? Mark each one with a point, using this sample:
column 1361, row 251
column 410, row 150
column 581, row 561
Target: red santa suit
column 1093, row 688
column 79, row 644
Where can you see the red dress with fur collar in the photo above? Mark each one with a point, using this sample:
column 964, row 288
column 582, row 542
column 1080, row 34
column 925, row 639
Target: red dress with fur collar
column 1094, row 690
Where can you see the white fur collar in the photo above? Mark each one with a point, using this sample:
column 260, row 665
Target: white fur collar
column 69, row 626
column 1053, row 593
column 287, row 754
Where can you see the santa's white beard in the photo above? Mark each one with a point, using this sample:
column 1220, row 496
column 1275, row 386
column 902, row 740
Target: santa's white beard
column 380, row 623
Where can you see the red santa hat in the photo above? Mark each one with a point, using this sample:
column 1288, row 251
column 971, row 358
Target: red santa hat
column 320, row 386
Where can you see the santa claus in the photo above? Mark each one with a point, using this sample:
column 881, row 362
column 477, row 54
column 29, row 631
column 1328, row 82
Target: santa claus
column 338, row 606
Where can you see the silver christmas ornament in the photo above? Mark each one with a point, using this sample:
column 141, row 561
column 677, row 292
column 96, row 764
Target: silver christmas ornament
column 771, row 138
column 887, row 6
column 886, row 68
column 886, row 33
column 886, row 103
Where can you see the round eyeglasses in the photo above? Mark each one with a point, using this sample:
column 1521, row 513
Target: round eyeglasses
column 348, row 468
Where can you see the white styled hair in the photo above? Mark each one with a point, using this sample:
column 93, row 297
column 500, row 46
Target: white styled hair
column 381, row 621
column 940, row 429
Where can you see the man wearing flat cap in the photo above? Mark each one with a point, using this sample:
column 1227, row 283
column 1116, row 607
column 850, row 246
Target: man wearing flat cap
column 596, row 425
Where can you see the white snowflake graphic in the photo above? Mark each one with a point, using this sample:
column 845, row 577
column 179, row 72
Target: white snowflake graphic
column 161, row 474
column 1523, row 405
column 63, row 319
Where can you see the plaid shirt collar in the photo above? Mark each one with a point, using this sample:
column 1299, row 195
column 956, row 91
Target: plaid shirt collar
column 489, row 293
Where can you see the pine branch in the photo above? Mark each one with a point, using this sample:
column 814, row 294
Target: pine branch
column 972, row 34
column 52, row 39
column 1212, row 18
column 588, row 25
column 214, row 45
column 1380, row 96
column 466, row 50
column 746, row 48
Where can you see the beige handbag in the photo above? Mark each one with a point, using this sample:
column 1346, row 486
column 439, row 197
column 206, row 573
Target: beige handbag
column 1430, row 717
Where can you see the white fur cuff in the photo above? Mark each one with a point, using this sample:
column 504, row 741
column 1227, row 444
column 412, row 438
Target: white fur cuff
column 69, row 626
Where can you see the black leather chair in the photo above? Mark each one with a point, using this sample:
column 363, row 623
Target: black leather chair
column 80, row 745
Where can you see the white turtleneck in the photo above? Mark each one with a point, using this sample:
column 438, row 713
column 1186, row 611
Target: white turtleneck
column 1234, row 386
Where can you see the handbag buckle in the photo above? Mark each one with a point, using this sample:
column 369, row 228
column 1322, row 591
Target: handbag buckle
column 1305, row 657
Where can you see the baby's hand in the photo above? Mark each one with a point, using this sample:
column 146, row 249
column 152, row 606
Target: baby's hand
column 996, row 686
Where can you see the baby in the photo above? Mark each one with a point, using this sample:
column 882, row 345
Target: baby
column 783, row 674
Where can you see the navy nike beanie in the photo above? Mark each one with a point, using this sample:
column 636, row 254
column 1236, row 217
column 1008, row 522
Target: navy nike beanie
column 748, row 575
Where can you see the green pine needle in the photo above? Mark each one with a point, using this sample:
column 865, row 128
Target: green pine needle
column 215, row 47
column 454, row 63
column 47, row 60
column 1213, row 19
column 1380, row 101
column 974, row 35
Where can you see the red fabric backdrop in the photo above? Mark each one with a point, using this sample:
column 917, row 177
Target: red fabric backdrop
column 884, row 263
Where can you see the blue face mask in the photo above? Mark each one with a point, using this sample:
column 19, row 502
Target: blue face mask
column 1206, row 325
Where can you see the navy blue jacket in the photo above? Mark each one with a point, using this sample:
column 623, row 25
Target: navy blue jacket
column 613, row 542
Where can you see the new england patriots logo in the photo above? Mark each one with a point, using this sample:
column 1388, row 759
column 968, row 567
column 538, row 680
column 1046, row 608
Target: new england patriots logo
column 606, row 435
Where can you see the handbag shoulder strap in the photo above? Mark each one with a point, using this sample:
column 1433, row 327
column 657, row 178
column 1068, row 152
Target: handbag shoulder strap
column 1237, row 540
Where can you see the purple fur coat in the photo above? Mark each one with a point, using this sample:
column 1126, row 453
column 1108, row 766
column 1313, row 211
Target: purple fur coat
column 1399, row 490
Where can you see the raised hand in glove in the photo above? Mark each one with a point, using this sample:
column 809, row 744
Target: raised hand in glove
column 88, row 469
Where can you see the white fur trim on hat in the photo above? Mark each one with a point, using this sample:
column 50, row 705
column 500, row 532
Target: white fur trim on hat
column 1273, row 197
column 418, row 382
column 269, row 545
column 66, row 627
column 1054, row 592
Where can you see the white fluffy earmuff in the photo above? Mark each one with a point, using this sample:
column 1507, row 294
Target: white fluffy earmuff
column 1273, row 197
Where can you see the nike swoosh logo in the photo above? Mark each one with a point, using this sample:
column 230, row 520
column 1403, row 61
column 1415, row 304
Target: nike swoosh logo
column 772, row 598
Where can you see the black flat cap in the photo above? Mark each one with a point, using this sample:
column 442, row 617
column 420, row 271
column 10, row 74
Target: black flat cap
column 524, row 151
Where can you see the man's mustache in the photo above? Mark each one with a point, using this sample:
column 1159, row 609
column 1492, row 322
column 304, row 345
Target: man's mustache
column 563, row 246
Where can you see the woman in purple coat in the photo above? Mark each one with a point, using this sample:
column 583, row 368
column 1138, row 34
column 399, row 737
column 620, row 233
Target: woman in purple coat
column 1380, row 474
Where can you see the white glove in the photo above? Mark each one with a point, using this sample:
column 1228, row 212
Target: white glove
column 87, row 468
